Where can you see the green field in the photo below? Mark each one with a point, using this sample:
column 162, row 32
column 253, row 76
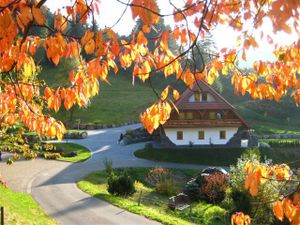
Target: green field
column 122, row 102
column 21, row 209
column 116, row 103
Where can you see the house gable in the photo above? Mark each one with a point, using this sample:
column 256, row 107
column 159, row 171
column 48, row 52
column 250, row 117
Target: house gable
column 202, row 106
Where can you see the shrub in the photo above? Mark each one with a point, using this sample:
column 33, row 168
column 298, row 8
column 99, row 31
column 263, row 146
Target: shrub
column 162, row 180
column 228, row 202
column 214, row 187
column 29, row 155
column 156, row 175
column 49, row 147
column 260, row 207
column 51, row 155
column 200, row 180
column 108, row 166
column 241, row 201
column 252, row 153
column 214, row 215
column 120, row 185
column 166, row 187
column 192, row 190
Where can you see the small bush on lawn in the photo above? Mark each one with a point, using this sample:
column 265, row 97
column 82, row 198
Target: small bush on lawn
column 120, row 185
column 192, row 190
column 214, row 187
column 214, row 215
column 162, row 180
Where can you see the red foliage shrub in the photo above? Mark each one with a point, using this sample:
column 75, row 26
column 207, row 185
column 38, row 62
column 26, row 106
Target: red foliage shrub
column 214, row 187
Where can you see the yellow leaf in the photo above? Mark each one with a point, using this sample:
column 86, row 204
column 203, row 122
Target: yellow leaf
column 176, row 94
column 164, row 93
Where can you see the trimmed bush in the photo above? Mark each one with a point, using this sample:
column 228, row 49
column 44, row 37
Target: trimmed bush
column 214, row 215
column 120, row 185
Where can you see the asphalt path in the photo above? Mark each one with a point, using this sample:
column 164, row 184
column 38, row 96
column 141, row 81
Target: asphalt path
column 53, row 183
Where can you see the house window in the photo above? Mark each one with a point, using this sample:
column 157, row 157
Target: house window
column 181, row 116
column 219, row 115
column 222, row 134
column 204, row 97
column 189, row 115
column 197, row 96
column 212, row 115
column 179, row 135
column 201, row 135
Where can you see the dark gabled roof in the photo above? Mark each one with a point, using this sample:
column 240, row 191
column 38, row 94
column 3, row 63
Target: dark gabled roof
column 220, row 103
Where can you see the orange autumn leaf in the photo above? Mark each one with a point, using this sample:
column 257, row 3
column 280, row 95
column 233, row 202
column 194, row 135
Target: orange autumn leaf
column 147, row 12
column 38, row 15
column 278, row 210
column 60, row 22
column 90, row 47
column 240, row 218
column 155, row 115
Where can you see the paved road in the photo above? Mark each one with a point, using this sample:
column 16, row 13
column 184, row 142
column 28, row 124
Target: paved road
column 52, row 183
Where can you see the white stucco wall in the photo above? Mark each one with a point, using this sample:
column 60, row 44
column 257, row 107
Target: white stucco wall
column 191, row 134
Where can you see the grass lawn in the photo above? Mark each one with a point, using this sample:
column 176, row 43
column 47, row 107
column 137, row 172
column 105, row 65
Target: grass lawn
column 154, row 205
column 21, row 209
column 218, row 156
column 83, row 152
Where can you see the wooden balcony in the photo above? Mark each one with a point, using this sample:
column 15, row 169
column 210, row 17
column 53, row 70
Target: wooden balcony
column 203, row 123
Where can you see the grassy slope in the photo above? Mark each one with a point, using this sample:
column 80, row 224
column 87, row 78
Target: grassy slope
column 122, row 102
column 22, row 209
column 116, row 103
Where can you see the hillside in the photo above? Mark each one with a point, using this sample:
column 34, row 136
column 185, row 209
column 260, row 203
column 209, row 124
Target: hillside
column 122, row 102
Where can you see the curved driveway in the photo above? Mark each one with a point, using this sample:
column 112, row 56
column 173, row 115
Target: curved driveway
column 52, row 183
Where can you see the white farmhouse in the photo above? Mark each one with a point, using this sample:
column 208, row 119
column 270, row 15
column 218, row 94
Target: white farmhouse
column 205, row 118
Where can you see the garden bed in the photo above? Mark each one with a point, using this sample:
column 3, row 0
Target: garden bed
column 153, row 204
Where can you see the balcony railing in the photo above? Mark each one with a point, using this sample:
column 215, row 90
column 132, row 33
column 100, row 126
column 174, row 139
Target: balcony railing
column 204, row 123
